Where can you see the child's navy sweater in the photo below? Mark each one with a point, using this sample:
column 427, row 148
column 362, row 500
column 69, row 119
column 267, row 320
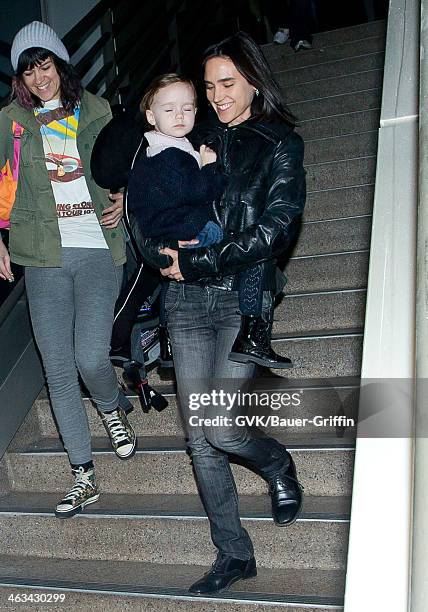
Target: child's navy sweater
column 170, row 196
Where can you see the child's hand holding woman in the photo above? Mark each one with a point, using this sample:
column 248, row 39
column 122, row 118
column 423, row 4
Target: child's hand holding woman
column 208, row 156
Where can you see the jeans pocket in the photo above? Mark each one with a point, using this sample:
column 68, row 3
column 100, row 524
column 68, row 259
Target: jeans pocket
column 173, row 295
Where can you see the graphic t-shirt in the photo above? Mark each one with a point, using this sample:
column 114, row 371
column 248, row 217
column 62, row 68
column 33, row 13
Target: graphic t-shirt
column 78, row 223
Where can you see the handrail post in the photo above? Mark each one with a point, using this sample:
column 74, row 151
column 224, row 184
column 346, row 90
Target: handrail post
column 109, row 51
column 419, row 590
column 173, row 37
column 379, row 555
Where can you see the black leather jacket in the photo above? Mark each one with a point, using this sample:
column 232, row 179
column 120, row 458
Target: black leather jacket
column 260, row 210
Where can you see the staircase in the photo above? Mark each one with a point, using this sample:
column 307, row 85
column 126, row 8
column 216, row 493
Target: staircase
column 147, row 539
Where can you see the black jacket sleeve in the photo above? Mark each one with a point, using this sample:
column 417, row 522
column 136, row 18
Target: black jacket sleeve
column 149, row 247
column 274, row 230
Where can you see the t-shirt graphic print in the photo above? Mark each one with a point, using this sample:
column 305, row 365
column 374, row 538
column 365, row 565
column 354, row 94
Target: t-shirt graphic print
column 77, row 221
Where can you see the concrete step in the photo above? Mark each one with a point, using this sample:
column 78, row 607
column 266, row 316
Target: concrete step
column 327, row 272
column 341, row 202
column 335, row 236
column 343, row 173
column 337, row 68
column 332, row 38
column 305, row 545
column 252, row 507
column 323, row 148
column 339, row 104
column 322, row 311
column 323, row 356
column 323, row 470
column 323, row 87
column 147, row 587
column 342, row 125
column 321, row 55
column 324, row 401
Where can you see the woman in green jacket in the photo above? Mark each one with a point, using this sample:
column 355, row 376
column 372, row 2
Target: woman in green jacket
column 66, row 232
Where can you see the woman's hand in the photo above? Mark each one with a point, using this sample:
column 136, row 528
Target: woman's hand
column 173, row 272
column 208, row 156
column 5, row 269
column 114, row 213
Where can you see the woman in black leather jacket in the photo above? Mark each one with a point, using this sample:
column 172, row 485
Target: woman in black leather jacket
column 262, row 159
column 260, row 210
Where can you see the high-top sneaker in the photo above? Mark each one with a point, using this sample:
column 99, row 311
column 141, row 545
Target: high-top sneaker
column 83, row 492
column 121, row 434
column 253, row 344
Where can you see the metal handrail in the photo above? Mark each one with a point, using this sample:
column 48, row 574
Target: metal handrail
column 87, row 60
column 73, row 39
column 12, row 299
column 4, row 78
column 121, row 63
column 5, row 48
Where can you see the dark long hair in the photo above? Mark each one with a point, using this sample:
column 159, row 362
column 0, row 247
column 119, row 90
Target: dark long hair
column 71, row 87
column 252, row 64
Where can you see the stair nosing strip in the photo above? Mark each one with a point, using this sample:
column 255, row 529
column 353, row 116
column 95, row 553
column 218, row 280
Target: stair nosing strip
column 356, row 186
column 351, row 74
column 173, row 593
column 333, row 219
column 335, row 161
column 318, row 336
column 325, row 292
column 342, row 59
column 336, row 136
column 332, row 254
column 370, row 89
column 172, row 517
column 358, row 112
column 295, row 448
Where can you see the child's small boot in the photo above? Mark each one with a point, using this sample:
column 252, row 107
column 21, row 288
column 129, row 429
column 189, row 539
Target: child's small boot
column 147, row 395
column 165, row 357
column 253, row 344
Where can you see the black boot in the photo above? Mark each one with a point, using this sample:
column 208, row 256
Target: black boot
column 165, row 348
column 286, row 495
column 253, row 344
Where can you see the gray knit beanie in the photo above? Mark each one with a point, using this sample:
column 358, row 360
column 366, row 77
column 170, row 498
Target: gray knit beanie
column 37, row 34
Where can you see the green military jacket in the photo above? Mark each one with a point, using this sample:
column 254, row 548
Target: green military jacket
column 34, row 234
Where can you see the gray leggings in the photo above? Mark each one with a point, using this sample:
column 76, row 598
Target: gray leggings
column 72, row 311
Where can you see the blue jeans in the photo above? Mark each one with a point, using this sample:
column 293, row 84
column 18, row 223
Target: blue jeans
column 250, row 281
column 203, row 323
